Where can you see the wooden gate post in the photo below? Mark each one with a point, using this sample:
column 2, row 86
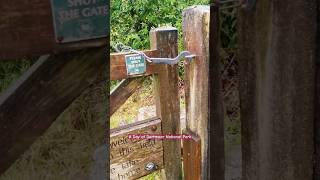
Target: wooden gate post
column 203, row 112
column 277, row 63
column 167, row 98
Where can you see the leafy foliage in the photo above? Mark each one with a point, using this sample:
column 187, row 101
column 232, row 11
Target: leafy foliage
column 228, row 35
column 131, row 20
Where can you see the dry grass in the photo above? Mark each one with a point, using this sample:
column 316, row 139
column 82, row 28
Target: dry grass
column 65, row 151
column 128, row 112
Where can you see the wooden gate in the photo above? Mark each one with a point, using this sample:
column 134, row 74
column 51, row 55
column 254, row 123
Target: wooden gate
column 128, row 159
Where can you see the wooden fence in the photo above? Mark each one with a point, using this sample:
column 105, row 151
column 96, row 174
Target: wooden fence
column 128, row 159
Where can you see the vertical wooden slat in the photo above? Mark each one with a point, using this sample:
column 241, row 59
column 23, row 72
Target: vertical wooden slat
column 248, row 109
column 192, row 157
column 167, row 98
column 316, row 168
column 216, row 114
column 200, row 115
column 277, row 89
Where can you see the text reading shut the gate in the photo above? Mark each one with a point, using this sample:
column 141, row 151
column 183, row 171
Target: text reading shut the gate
column 80, row 19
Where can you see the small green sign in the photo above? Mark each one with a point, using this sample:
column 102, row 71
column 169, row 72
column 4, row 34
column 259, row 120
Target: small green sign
column 76, row 20
column 135, row 64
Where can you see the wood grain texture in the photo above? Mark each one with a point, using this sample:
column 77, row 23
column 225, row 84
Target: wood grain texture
column 216, row 113
column 122, row 92
column 316, row 168
column 118, row 69
column 277, row 77
column 129, row 157
column 192, row 157
column 26, row 29
column 201, row 117
column 167, row 98
column 34, row 101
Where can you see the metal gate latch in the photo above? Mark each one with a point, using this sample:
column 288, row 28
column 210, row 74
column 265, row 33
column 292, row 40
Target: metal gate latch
column 183, row 54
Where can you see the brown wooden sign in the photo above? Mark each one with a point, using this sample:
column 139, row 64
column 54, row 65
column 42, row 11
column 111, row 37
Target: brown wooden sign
column 27, row 30
column 129, row 157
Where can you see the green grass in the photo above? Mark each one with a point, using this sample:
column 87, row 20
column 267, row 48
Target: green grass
column 10, row 70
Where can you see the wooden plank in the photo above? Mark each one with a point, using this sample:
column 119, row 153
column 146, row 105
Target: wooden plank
column 34, row 101
column 118, row 69
column 203, row 116
column 316, row 168
column 27, row 30
column 122, row 92
column 129, row 157
column 277, row 85
column 167, row 98
column 192, row 157
column 216, row 112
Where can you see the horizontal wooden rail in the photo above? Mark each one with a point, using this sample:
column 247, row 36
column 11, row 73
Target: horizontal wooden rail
column 118, row 66
column 122, row 92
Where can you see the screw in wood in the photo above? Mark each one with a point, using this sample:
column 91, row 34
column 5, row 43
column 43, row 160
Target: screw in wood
column 154, row 128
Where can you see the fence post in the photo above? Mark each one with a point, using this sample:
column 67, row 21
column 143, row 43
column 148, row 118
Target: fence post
column 167, row 98
column 203, row 113
column 277, row 89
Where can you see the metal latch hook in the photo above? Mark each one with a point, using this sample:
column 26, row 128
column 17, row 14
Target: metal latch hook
column 183, row 54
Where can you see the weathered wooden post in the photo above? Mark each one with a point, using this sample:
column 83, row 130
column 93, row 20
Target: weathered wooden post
column 277, row 70
column 167, row 98
column 203, row 114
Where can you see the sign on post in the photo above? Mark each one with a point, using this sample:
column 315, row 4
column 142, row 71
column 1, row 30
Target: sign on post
column 76, row 20
column 36, row 27
column 136, row 64
column 134, row 158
